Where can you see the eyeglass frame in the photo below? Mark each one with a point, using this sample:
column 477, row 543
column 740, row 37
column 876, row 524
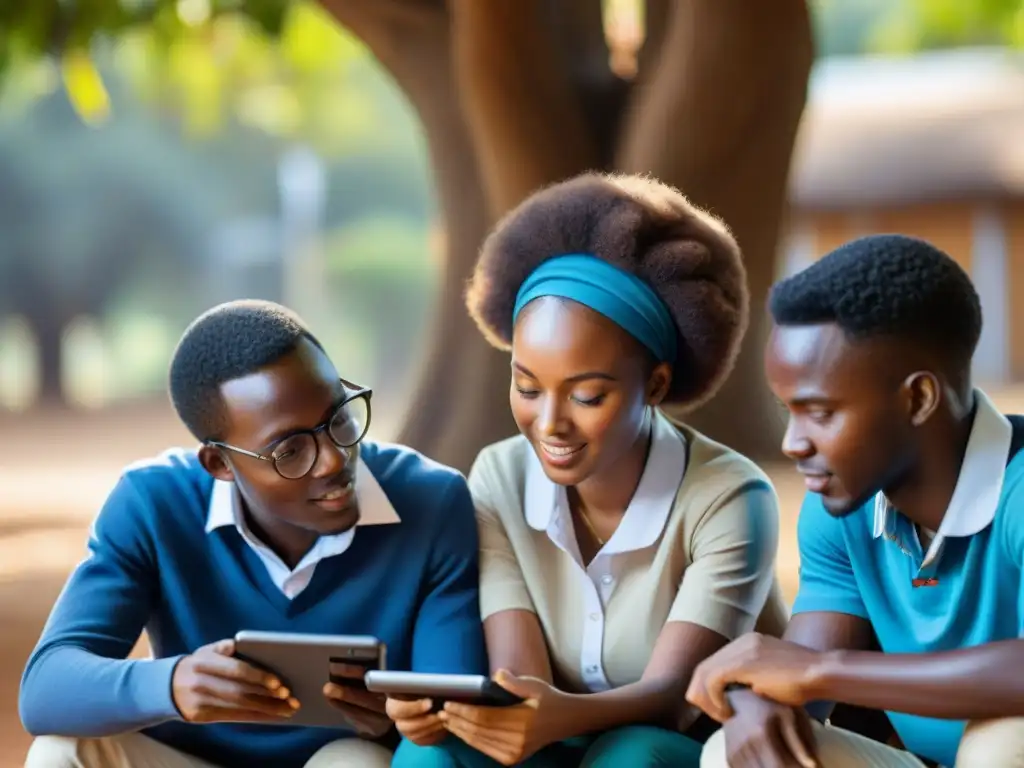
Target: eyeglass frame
column 355, row 392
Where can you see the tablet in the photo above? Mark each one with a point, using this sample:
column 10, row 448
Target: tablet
column 468, row 689
column 302, row 662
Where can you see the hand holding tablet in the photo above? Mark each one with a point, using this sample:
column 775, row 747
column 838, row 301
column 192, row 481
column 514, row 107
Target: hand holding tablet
column 324, row 673
column 211, row 686
column 365, row 711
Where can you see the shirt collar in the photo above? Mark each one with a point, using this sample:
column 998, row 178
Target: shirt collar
column 547, row 508
column 980, row 484
column 374, row 506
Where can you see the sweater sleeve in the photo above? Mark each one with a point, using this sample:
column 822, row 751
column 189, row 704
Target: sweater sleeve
column 78, row 681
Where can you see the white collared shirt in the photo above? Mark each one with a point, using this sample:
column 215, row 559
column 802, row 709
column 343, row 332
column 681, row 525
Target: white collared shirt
column 979, row 486
column 547, row 510
column 374, row 508
column 696, row 545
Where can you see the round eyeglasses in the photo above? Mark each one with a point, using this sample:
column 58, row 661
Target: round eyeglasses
column 295, row 455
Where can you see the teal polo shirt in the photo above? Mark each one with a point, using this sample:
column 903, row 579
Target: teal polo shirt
column 964, row 589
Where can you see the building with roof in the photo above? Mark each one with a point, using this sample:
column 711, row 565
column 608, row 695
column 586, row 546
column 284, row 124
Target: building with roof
column 930, row 145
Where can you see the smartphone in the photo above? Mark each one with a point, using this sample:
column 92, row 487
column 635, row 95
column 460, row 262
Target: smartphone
column 467, row 689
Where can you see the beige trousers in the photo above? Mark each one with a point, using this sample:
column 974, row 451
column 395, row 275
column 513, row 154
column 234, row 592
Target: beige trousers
column 133, row 750
column 986, row 744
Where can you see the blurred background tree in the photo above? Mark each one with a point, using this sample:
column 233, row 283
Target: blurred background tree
column 121, row 234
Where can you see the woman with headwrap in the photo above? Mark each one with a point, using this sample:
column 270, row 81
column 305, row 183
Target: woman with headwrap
column 619, row 548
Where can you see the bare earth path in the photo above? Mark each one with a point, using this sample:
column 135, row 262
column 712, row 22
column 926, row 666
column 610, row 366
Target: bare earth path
column 55, row 471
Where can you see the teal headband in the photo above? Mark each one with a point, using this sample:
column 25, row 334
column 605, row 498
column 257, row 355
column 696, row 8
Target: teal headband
column 622, row 297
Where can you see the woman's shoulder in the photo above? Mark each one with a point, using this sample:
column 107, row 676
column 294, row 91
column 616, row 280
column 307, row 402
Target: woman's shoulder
column 712, row 464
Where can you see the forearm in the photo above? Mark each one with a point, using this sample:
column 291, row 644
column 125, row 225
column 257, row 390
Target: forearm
column 985, row 681
column 656, row 700
column 68, row 691
column 515, row 643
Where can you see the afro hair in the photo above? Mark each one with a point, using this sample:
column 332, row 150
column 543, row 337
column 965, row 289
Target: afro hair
column 224, row 343
column 887, row 285
column 646, row 228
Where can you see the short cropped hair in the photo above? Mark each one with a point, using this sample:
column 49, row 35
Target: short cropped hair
column 224, row 343
column 646, row 228
column 887, row 285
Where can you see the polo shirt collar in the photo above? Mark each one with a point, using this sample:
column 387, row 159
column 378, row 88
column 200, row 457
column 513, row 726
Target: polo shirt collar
column 225, row 509
column 980, row 483
column 547, row 505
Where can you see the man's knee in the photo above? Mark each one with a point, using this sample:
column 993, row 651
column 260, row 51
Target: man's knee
column 351, row 753
column 992, row 744
column 54, row 752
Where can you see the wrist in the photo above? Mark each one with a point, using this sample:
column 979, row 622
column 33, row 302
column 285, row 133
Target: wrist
column 822, row 675
column 568, row 711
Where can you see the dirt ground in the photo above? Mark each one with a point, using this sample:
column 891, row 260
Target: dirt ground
column 57, row 469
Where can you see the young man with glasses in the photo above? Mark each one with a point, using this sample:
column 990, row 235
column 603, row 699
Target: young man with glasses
column 284, row 519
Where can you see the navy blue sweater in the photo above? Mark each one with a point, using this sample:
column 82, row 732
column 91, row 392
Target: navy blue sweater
column 151, row 564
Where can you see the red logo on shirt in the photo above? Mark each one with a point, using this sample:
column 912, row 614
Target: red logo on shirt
column 929, row 582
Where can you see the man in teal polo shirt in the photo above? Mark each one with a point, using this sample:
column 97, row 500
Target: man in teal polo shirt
column 911, row 534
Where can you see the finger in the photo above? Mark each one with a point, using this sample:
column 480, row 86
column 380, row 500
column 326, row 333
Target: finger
column 346, row 671
column 223, row 693
column 216, row 714
column 234, row 689
column 494, row 733
column 797, row 734
column 420, row 727
column 235, row 669
column 406, row 710
column 696, row 694
column 717, row 703
column 773, row 751
column 480, row 740
column 473, row 714
column 373, row 702
column 364, row 721
column 223, row 647
column 501, row 718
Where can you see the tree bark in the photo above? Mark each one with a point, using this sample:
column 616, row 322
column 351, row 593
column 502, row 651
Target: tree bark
column 718, row 119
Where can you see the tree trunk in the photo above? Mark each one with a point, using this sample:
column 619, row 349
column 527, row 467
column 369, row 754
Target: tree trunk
column 718, row 119
column 523, row 88
column 461, row 400
column 48, row 330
